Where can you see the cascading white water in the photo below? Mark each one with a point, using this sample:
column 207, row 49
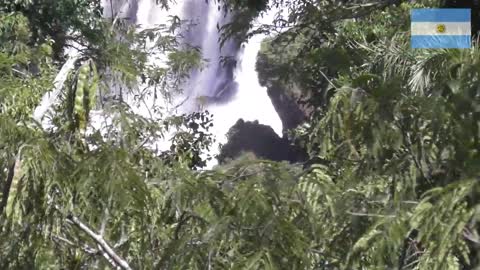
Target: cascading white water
column 245, row 98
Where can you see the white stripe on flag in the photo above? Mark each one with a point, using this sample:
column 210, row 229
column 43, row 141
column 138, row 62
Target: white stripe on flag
column 451, row 28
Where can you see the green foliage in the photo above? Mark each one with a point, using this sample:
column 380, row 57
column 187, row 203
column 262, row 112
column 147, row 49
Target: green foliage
column 394, row 145
column 52, row 19
column 399, row 128
column 85, row 93
column 191, row 138
column 17, row 63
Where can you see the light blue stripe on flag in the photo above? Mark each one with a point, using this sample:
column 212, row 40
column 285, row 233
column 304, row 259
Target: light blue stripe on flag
column 440, row 15
column 438, row 41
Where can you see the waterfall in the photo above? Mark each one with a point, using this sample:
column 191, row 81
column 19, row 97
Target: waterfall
column 232, row 91
column 215, row 84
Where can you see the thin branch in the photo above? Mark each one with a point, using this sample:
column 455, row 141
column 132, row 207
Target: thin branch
column 7, row 186
column 120, row 11
column 25, row 75
column 123, row 239
column 50, row 98
column 87, row 249
column 106, row 216
column 102, row 233
column 369, row 215
column 57, row 238
column 469, row 236
column 405, row 202
column 328, row 80
column 101, row 242
column 183, row 218
column 409, row 145
column 210, row 260
column 411, row 264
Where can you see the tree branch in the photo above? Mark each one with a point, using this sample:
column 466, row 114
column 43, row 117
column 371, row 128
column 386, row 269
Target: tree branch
column 7, row 186
column 369, row 215
column 51, row 97
column 101, row 242
column 89, row 250
column 467, row 234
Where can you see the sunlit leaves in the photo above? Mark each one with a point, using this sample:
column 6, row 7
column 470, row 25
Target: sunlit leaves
column 388, row 137
column 85, row 93
column 392, row 183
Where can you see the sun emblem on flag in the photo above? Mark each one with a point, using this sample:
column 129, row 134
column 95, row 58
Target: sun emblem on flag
column 441, row 28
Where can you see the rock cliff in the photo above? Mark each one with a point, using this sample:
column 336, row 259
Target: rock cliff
column 286, row 96
column 260, row 140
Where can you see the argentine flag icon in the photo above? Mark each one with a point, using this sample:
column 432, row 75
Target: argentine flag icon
column 441, row 28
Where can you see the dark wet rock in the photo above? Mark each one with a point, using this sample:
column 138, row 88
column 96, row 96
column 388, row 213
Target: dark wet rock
column 287, row 98
column 288, row 106
column 260, row 140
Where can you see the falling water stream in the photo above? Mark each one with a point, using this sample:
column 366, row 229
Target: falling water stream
column 233, row 91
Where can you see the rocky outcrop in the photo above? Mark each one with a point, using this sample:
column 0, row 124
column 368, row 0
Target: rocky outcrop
column 273, row 72
column 288, row 106
column 287, row 99
column 260, row 140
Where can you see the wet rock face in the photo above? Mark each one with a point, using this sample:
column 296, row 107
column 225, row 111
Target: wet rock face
column 273, row 72
column 260, row 140
column 289, row 110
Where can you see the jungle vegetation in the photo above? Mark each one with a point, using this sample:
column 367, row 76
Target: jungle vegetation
column 392, row 182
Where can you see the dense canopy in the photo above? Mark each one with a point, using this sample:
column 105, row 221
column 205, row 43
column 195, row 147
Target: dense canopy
column 392, row 178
